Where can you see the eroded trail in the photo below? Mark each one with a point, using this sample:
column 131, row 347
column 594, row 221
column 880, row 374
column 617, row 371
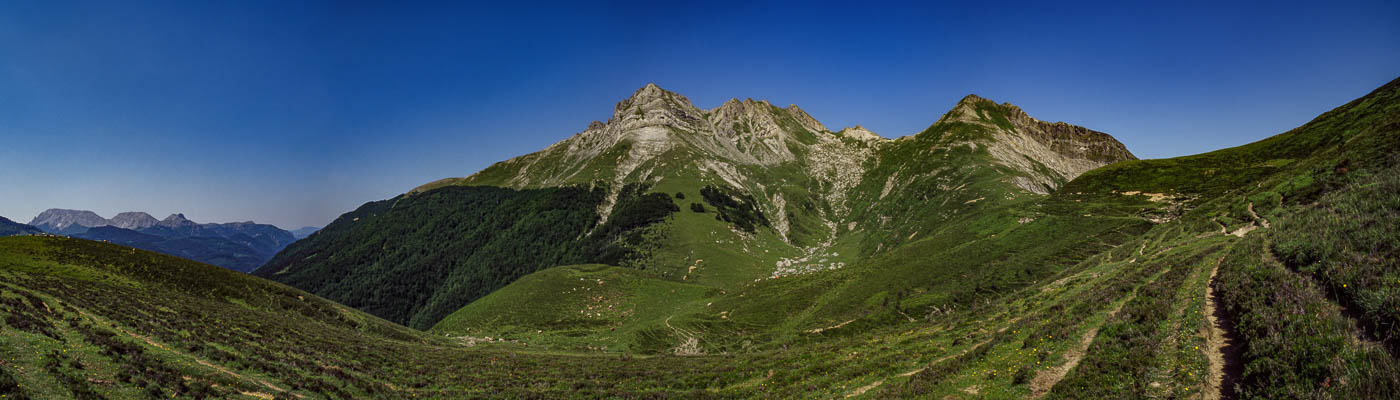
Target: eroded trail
column 1046, row 379
column 1222, row 347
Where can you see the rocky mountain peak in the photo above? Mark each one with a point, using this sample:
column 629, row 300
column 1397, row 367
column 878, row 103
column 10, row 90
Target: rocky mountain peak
column 973, row 98
column 176, row 220
column 652, row 98
column 134, row 220
column 860, row 133
column 58, row 219
column 1025, row 143
column 653, row 106
column 966, row 109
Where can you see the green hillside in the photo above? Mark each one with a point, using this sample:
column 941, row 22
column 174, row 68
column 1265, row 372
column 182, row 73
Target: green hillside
column 416, row 258
column 12, row 228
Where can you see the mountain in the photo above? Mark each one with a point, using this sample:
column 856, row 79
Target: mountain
column 1266, row 270
column 133, row 220
column 791, row 195
column 64, row 222
column 303, row 232
column 241, row 246
column 12, row 228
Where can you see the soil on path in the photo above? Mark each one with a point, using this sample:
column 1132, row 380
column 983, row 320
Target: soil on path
column 1222, row 347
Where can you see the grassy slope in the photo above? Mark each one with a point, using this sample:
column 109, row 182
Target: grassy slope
column 85, row 319
column 439, row 250
column 582, row 306
column 1298, row 321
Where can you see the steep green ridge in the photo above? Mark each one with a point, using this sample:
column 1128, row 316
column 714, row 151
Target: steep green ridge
column 414, row 259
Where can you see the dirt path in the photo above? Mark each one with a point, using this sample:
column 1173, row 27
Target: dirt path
column 820, row 330
column 861, row 390
column 1255, row 224
column 1261, row 221
column 1222, row 347
column 690, row 346
column 1046, row 379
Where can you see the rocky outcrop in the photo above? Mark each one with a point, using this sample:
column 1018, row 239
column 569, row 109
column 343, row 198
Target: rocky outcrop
column 1070, row 140
column 860, row 133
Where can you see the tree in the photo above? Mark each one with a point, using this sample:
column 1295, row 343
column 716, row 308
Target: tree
column 697, row 207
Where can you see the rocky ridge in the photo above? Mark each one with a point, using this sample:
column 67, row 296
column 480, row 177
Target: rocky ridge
column 813, row 184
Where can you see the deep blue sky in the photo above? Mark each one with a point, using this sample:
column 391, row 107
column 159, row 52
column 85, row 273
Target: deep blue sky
column 292, row 113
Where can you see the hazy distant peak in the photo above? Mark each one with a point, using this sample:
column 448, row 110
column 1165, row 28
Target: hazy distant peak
column 176, row 220
column 58, row 218
column 134, row 220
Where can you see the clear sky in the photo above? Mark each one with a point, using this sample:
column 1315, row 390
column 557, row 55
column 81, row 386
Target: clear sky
column 294, row 112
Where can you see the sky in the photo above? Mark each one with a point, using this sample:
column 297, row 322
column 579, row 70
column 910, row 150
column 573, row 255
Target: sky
column 292, row 113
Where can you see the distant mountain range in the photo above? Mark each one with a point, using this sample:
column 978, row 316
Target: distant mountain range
column 240, row 246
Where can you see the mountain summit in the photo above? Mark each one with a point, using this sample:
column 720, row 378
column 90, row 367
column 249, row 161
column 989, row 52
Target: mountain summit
column 57, row 220
column 134, row 220
column 654, row 122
